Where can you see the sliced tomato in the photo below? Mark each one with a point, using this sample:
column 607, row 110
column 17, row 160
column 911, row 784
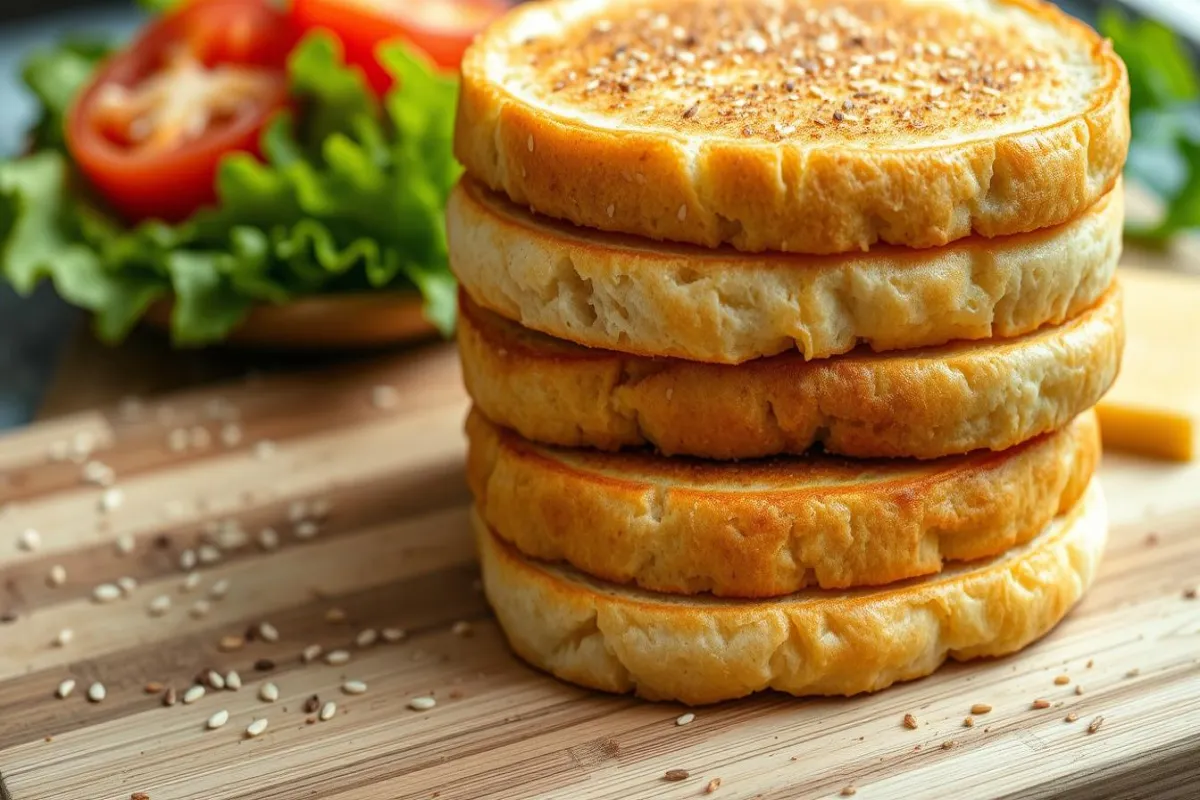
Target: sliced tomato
column 151, row 128
column 442, row 28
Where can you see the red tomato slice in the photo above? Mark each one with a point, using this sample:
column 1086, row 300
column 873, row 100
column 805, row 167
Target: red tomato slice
column 442, row 28
column 150, row 130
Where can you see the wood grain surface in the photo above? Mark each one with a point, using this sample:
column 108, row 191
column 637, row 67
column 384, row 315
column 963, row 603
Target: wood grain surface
column 394, row 550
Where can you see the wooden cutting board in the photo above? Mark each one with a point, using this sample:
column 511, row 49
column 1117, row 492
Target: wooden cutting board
column 393, row 551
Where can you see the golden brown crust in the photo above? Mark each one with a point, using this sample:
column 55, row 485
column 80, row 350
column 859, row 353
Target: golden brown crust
column 770, row 528
column 1056, row 144
column 703, row 650
column 720, row 306
column 923, row 403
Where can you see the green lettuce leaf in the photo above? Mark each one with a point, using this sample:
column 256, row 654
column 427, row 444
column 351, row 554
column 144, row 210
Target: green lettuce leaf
column 347, row 197
column 55, row 76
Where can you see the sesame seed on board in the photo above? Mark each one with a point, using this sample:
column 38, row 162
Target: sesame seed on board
column 256, row 728
column 327, row 711
column 268, row 692
column 684, row 719
column 422, row 703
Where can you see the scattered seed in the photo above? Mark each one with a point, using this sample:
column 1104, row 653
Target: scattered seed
column 208, row 554
column 170, row 698
column 384, row 397
column 214, row 679
column 392, row 635
column 264, row 449
column 674, row 775
column 910, row 722
column 64, row 637
column 96, row 692
column 194, row 693
column 335, row 615
column 160, row 605
column 1191, row 593
column 64, row 689
column 366, row 638
column 320, row 507
column 354, row 687
column 327, row 711
column 268, row 692
column 218, row 719
column 306, row 530
column 219, row 589
column 980, row 708
column 310, row 653
column 1133, row 673
column 312, row 704
column 684, row 719
column 712, row 786
column 1062, row 680
column 1040, row 704
column 125, row 544
column 187, row 560
column 199, row 608
column 106, row 593
column 127, row 585
column 1078, row 688
column 682, row 213
column 231, row 435
column 264, row 665
column 969, row 722
column 139, row 796
column 230, row 643
column 422, row 703
column 29, row 540
column 336, row 658
column 191, row 581
column 297, row 510
column 849, row 791
column 948, row 744
column 268, row 539
column 1090, row 663
column 1095, row 724
column 267, row 632
column 1072, row 717
column 256, row 728
column 233, row 681
column 111, row 499
column 461, row 628
column 57, row 575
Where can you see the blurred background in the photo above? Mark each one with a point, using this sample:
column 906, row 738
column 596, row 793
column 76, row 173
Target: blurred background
column 39, row 332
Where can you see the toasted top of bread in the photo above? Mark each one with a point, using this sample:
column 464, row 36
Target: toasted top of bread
column 676, row 109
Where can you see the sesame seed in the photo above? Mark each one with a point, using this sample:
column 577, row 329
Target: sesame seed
column 1062, row 680
column 849, row 791
column 268, row 539
column 170, row 698
column 217, row 720
column 106, row 593
column 529, row 142
column 327, row 711
column 268, row 692
column 676, row 775
column 214, row 679
column 910, row 722
column 1078, row 689
column 1133, row 673
column 422, row 703
column 264, row 449
column 230, row 643
column 306, row 529
column 57, row 576
column 177, row 440
column 64, row 689
column 231, row 435
column 96, row 692
column 233, row 681
column 256, row 728
column 691, row 111
column 461, row 628
column 384, row 397
column 612, row 209
column 335, row 615
column 153, row 687
column 366, row 638
column 336, row 658
column 712, row 786
column 297, row 510
column 97, row 473
column 200, row 437
column 208, row 554
column 682, row 213
column 392, row 635
column 125, row 544
column 684, row 719
column 219, row 589
column 980, row 708
column 111, row 500
column 159, row 605
column 948, row 744
column 194, row 693
column 310, row 653
column 1095, row 725
column 1072, row 717
column 29, row 540
column 127, row 585
column 267, row 632
column 187, row 560
column 354, row 687
column 1040, row 704
column 968, row 722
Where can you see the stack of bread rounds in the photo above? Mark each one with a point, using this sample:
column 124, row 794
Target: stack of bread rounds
column 783, row 322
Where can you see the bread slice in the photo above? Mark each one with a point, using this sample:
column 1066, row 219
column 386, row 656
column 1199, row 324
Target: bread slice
column 920, row 403
column 800, row 127
column 629, row 294
column 769, row 528
column 703, row 650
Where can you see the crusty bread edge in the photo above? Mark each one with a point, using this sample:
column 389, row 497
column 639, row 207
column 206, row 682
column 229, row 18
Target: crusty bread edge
column 700, row 651
column 924, row 404
column 767, row 196
column 663, row 535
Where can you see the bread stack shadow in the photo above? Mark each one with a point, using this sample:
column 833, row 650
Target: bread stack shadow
column 783, row 327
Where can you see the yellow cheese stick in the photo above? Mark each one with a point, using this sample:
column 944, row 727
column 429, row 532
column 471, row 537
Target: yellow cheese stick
column 1154, row 408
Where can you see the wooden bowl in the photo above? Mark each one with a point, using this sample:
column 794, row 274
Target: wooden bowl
column 324, row 322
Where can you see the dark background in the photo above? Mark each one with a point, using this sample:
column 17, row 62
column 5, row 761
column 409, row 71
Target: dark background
column 33, row 330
